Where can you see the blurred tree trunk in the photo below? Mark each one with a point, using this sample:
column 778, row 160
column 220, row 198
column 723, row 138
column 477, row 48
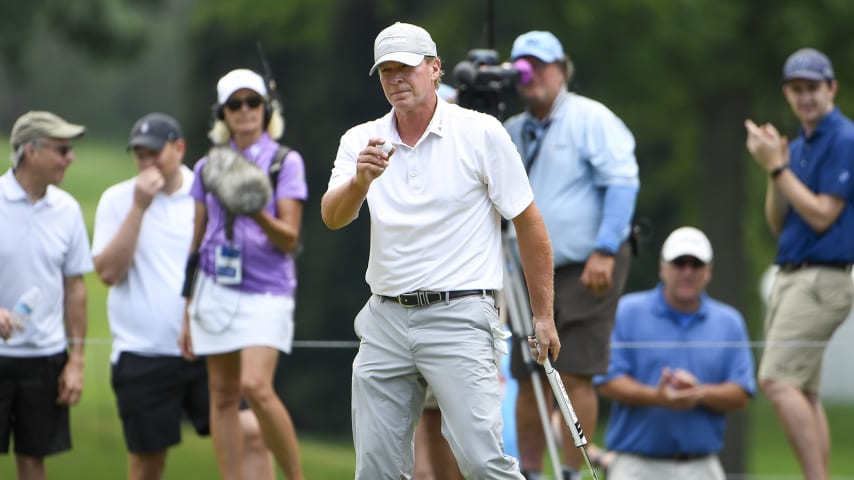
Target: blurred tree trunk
column 722, row 199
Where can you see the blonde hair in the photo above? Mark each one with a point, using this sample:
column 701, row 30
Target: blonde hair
column 220, row 134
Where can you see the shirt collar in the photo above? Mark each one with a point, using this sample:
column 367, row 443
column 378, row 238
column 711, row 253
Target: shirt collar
column 255, row 149
column 554, row 112
column 437, row 125
column 14, row 192
column 661, row 307
column 827, row 123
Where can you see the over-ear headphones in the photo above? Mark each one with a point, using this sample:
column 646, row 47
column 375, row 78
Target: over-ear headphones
column 218, row 113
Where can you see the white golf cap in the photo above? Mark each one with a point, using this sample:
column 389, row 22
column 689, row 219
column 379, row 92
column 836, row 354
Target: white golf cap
column 237, row 79
column 687, row 241
column 404, row 43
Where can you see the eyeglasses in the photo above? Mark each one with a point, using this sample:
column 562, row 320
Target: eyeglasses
column 62, row 149
column 236, row 104
column 682, row 262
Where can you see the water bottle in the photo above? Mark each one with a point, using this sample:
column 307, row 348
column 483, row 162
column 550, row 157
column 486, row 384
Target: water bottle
column 24, row 307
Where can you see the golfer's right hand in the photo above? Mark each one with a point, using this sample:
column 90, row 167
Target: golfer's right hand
column 372, row 162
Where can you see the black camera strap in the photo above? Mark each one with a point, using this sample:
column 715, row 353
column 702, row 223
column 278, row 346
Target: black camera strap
column 533, row 134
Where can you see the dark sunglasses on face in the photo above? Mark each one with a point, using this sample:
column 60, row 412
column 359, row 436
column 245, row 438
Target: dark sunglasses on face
column 236, row 104
column 61, row 149
column 681, row 262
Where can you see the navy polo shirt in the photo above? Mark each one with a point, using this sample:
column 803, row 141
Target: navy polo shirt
column 824, row 162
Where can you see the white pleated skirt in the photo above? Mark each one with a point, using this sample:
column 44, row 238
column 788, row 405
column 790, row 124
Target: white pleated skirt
column 224, row 320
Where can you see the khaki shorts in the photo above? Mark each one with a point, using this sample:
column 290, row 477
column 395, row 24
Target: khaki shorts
column 627, row 466
column 805, row 308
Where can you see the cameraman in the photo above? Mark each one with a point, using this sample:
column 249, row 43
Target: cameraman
column 582, row 168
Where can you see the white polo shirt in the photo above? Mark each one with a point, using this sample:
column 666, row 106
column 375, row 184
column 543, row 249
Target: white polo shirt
column 436, row 210
column 146, row 309
column 40, row 244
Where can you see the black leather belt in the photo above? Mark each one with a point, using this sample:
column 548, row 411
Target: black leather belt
column 422, row 298
column 677, row 457
column 795, row 266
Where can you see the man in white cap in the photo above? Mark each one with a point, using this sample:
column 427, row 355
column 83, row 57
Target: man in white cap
column 436, row 192
column 44, row 250
column 581, row 164
column 686, row 363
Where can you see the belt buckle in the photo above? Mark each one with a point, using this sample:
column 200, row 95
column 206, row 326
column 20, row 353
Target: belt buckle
column 421, row 298
column 403, row 298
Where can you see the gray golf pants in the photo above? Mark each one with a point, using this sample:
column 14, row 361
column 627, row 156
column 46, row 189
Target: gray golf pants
column 451, row 347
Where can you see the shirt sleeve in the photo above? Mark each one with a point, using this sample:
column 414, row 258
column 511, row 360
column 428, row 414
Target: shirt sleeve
column 344, row 167
column 291, row 182
column 507, row 182
column 610, row 147
column 836, row 174
column 107, row 222
column 620, row 359
column 78, row 260
column 741, row 368
column 617, row 210
column 197, row 191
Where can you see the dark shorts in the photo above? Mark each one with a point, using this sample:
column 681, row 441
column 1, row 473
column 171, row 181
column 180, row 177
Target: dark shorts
column 153, row 393
column 583, row 320
column 28, row 410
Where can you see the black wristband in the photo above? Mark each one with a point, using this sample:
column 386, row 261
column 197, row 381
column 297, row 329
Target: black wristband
column 190, row 274
column 778, row 170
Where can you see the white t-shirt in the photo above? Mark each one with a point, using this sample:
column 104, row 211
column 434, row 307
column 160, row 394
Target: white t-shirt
column 436, row 210
column 146, row 309
column 40, row 244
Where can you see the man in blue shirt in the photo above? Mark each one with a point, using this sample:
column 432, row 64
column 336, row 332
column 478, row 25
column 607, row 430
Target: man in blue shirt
column 808, row 205
column 581, row 164
column 683, row 362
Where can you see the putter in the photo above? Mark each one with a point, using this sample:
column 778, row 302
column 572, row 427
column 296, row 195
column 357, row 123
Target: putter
column 566, row 409
column 519, row 314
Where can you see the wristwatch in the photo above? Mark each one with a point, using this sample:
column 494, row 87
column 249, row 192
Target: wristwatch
column 604, row 252
column 778, row 170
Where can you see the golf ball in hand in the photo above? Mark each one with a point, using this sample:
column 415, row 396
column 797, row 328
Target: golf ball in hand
column 386, row 147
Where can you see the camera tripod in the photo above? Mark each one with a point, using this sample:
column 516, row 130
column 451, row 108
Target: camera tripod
column 519, row 312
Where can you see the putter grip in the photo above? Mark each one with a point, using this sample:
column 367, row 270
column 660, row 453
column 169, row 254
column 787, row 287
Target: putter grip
column 565, row 405
column 563, row 401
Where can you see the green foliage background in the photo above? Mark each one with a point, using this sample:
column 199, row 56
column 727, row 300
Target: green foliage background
column 682, row 74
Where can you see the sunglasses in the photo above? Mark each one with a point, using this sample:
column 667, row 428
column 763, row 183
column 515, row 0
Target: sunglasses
column 62, row 149
column 682, row 262
column 236, row 104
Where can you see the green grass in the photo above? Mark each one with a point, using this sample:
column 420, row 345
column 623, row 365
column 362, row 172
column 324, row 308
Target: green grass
column 770, row 453
column 99, row 448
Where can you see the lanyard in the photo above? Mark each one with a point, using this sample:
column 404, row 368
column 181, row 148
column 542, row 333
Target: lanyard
column 534, row 133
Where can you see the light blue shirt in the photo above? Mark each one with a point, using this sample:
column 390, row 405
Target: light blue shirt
column 586, row 151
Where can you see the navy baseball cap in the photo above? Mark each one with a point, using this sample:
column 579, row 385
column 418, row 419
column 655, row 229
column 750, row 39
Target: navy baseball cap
column 153, row 131
column 808, row 64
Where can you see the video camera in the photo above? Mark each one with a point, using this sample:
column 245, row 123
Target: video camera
column 482, row 81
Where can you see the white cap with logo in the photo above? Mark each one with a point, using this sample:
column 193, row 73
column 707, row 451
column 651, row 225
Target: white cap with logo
column 404, row 43
column 687, row 241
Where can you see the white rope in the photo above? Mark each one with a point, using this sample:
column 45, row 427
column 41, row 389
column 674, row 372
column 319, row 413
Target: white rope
column 344, row 344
